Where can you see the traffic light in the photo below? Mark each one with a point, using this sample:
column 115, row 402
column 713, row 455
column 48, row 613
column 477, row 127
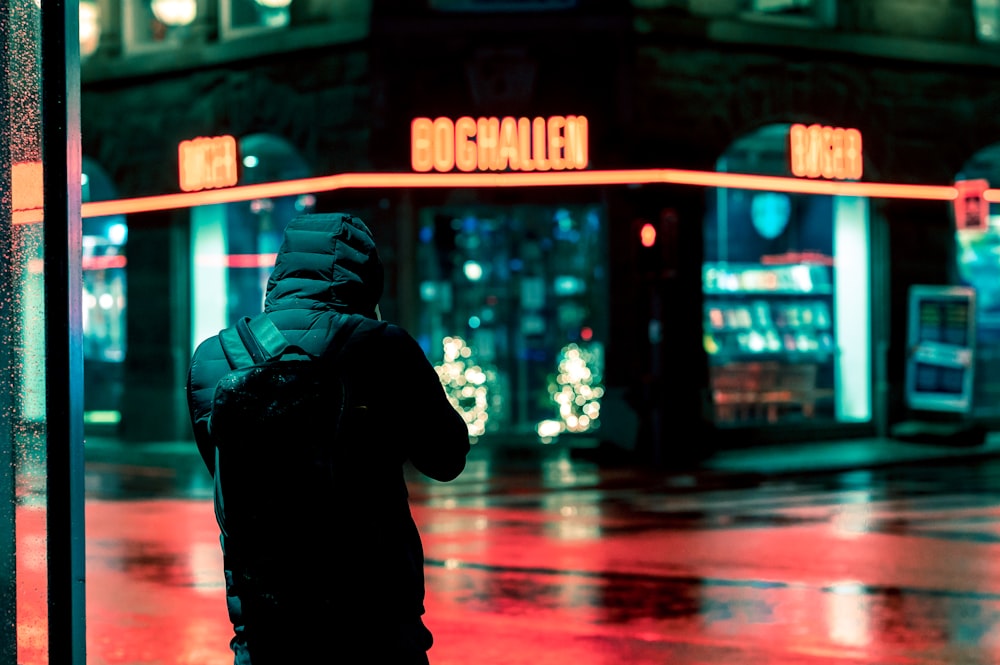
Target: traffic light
column 655, row 245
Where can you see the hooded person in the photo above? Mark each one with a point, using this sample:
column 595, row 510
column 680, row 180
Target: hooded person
column 337, row 568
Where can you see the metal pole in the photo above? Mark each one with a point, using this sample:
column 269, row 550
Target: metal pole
column 62, row 247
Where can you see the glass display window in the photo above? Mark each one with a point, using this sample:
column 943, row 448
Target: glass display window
column 986, row 15
column 977, row 265
column 514, row 309
column 104, row 300
column 239, row 18
column 786, row 297
column 157, row 25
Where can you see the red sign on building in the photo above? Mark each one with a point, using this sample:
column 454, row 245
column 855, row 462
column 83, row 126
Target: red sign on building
column 971, row 210
column 207, row 163
column 818, row 151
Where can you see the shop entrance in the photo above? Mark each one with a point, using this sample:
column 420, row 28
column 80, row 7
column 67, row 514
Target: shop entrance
column 514, row 314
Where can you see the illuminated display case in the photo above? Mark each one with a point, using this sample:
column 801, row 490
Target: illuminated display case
column 755, row 311
column 769, row 336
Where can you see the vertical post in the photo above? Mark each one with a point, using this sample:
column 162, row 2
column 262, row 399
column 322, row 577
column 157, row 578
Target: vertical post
column 62, row 247
column 8, row 551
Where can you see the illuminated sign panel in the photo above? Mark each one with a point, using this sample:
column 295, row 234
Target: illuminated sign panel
column 818, row 151
column 556, row 143
column 971, row 211
column 207, row 163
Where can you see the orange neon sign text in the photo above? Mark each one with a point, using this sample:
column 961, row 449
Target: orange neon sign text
column 818, row 151
column 207, row 163
column 556, row 143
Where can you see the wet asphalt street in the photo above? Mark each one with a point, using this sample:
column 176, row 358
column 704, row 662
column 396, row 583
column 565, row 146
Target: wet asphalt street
column 551, row 560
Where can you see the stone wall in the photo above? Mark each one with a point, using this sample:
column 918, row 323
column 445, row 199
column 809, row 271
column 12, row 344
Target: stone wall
column 317, row 102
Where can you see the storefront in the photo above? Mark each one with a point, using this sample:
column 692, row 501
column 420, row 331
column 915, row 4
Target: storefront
column 773, row 310
column 787, row 282
column 528, row 286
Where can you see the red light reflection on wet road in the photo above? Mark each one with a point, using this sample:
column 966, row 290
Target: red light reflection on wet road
column 585, row 577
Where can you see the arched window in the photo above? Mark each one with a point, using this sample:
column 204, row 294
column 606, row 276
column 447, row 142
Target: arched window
column 234, row 244
column 787, row 296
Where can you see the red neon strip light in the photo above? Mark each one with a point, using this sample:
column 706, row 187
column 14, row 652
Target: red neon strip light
column 535, row 179
column 104, row 262
column 237, row 260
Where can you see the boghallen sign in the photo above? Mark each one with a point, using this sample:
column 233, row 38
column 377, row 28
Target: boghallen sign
column 555, row 143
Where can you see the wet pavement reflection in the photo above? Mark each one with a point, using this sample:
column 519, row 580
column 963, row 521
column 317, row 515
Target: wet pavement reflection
column 552, row 560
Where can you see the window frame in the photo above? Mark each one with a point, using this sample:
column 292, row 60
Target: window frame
column 817, row 14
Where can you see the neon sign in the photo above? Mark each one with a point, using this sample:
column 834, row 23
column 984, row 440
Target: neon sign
column 207, row 163
column 556, row 143
column 818, row 151
column 971, row 211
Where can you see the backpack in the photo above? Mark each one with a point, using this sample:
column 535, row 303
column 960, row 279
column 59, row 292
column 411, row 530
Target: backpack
column 275, row 421
column 275, row 391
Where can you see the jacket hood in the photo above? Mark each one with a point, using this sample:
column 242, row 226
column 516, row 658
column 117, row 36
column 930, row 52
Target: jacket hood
column 326, row 261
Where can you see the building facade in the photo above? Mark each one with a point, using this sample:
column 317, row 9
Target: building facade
column 764, row 315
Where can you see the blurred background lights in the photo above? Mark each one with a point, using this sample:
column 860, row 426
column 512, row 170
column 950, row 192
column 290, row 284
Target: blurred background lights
column 90, row 27
column 473, row 270
column 548, row 430
column 174, row 13
column 305, row 202
column 250, row 161
column 117, row 233
column 469, row 386
column 428, row 291
column 647, row 235
column 576, row 390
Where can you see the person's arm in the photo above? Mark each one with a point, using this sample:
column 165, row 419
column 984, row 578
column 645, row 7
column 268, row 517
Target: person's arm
column 437, row 442
column 203, row 374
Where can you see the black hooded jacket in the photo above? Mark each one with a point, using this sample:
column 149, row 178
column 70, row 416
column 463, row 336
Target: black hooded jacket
column 359, row 556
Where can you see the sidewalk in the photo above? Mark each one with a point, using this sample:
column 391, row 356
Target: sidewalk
column 794, row 458
column 845, row 455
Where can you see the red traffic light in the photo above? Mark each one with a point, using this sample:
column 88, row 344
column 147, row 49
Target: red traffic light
column 647, row 235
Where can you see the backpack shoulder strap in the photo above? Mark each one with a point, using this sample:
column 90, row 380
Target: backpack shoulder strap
column 233, row 347
column 264, row 335
column 252, row 340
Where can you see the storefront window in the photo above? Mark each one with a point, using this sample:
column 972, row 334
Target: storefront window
column 514, row 315
column 978, row 264
column 151, row 25
column 104, row 270
column 986, row 14
column 243, row 17
column 786, row 287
